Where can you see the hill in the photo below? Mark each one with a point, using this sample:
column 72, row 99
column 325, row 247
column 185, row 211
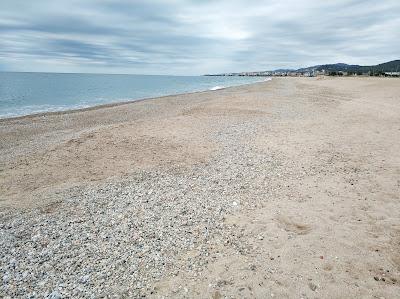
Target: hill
column 391, row 66
column 328, row 69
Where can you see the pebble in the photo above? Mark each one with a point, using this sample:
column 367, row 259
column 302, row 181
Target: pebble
column 127, row 234
column 54, row 295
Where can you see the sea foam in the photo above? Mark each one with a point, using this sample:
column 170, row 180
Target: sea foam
column 217, row 87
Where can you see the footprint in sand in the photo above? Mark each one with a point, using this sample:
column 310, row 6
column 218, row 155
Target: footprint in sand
column 289, row 225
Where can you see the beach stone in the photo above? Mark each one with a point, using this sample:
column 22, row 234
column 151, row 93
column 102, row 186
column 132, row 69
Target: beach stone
column 54, row 295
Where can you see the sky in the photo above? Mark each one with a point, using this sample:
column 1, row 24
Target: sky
column 191, row 37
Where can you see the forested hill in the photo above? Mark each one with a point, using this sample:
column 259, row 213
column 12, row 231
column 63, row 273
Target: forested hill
column 391, row 66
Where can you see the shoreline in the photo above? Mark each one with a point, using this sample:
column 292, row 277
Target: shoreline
column 131, row 101
column 117, row 103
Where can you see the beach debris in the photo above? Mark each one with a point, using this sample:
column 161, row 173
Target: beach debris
column 312, row 286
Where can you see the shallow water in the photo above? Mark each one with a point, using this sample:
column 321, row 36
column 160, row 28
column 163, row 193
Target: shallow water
column 28, row 93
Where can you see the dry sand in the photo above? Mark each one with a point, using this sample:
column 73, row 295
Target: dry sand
column 285, row 189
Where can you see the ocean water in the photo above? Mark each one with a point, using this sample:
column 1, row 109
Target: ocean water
column 29, row 93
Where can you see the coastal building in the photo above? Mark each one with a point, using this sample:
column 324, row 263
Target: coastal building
column 392, row 74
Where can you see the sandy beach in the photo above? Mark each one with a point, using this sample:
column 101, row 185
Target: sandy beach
column 282, row 189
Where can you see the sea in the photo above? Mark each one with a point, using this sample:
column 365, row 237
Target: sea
column 30, row 93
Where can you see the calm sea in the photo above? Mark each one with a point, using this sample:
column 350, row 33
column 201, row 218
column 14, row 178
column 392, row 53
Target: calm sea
column 28, row 93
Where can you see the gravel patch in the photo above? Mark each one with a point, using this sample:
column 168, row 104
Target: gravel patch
column 119, row 238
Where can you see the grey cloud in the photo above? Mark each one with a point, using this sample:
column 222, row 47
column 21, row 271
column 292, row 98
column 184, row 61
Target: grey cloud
column 194, row 37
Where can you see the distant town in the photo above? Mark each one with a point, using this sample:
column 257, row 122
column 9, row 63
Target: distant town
column 388, row 69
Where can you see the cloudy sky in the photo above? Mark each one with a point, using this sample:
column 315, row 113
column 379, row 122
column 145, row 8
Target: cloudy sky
column 194, row 37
